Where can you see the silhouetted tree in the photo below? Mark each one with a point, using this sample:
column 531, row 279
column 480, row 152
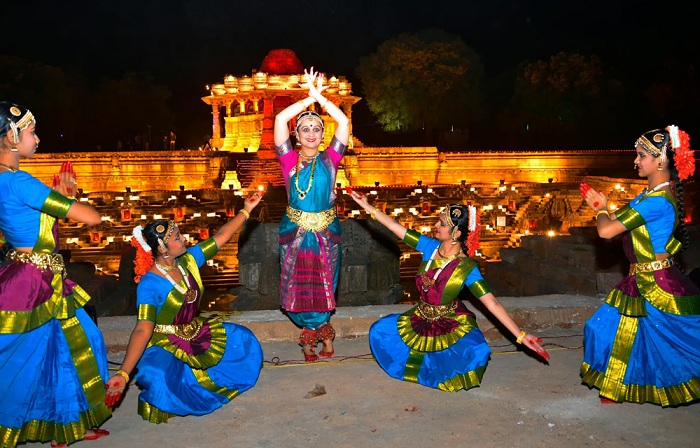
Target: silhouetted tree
column 127, row 106
column 565, row 102
column 56, row 96
column 429, row 80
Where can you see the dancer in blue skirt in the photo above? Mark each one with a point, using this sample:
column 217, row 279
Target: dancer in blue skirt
column 187, row 365
column 437, row 343
column 53, row 360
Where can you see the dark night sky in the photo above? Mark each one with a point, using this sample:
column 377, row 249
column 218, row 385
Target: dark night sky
column 186, row 44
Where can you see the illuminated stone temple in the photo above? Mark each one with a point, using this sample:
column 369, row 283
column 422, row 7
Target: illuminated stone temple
column 250, row 102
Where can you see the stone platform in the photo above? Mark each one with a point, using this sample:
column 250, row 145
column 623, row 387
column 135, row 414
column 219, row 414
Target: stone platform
column 530, row 313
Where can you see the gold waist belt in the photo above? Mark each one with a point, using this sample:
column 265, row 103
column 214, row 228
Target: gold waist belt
column 51, row 261
column 651, row 266
column 434, row 312
column 187, row 331
column 311, row 221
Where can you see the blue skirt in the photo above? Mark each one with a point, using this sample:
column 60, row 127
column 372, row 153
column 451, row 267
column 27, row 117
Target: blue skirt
column 459, row 366
column 172, row 388
column 41, row 390
column 656, row 358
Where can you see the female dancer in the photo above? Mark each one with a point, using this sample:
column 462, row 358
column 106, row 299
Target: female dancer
column 643, row 344
column 309, row 234
column 53, row 360
column 437, row 343
column 187, row 365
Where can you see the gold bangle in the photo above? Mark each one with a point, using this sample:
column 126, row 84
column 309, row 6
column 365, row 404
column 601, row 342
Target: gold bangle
column 602, row 212
column 123, row 374
column 373, row 215
column 245, row 213
column 520, row 337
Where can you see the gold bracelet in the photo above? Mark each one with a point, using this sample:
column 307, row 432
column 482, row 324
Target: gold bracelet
column 123, row 374
column 245, row 213
column 602, row 212
column 373, row 215
column 520, row 337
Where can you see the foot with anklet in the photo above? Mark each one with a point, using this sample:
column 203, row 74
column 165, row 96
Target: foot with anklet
column 327, row 351
column 309, row 354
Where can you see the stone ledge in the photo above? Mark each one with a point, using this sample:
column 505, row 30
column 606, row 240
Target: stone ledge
column 530, row 313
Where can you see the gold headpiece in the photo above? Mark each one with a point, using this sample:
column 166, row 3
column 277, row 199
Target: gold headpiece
column 649, row 147
column 308, row 115
column 21, row 124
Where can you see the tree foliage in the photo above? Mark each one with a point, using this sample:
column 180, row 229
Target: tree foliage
column 570, row 96
column 429, row 79
column 74, row 115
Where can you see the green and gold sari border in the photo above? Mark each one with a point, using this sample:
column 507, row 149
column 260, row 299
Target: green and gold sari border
column 433, row 343
column 45, row 431
column 57, row 307
column 206, row 382
column 463, row 381
column 680, row 394
column 205, row 360
column 656, row 296
column 152, row 414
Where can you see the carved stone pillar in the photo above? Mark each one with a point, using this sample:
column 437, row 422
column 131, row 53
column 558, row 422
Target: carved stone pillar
column 267, row 140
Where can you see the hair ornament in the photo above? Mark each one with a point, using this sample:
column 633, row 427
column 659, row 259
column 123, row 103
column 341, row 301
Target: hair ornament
column 138, row 235
column 474, row 237
column 143, row 260
column 683, row 157
column 21, row 124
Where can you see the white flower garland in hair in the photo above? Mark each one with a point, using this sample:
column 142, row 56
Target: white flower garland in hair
column 472, row 217
column 138, row 234
column 673, row 133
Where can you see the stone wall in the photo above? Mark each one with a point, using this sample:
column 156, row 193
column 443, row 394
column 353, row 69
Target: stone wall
column 579, row 263
column 369, row 268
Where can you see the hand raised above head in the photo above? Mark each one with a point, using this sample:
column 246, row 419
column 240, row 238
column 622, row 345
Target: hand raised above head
column 309, row 78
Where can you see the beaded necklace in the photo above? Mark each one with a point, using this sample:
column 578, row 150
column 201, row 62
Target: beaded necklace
column 657, row 188
column 10, row 168
column 300, row 193
column 189, row 293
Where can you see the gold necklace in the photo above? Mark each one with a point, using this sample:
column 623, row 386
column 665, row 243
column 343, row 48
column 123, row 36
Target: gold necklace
column 9, row 167
column 300, row 193
column 448, row 257
column 166, row 268
column 301, row 154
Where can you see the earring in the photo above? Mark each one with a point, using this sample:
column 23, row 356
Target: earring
column 454, row 241
column 660, row 167
column 166, row 255
column 14, row 150
column 636, row 167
